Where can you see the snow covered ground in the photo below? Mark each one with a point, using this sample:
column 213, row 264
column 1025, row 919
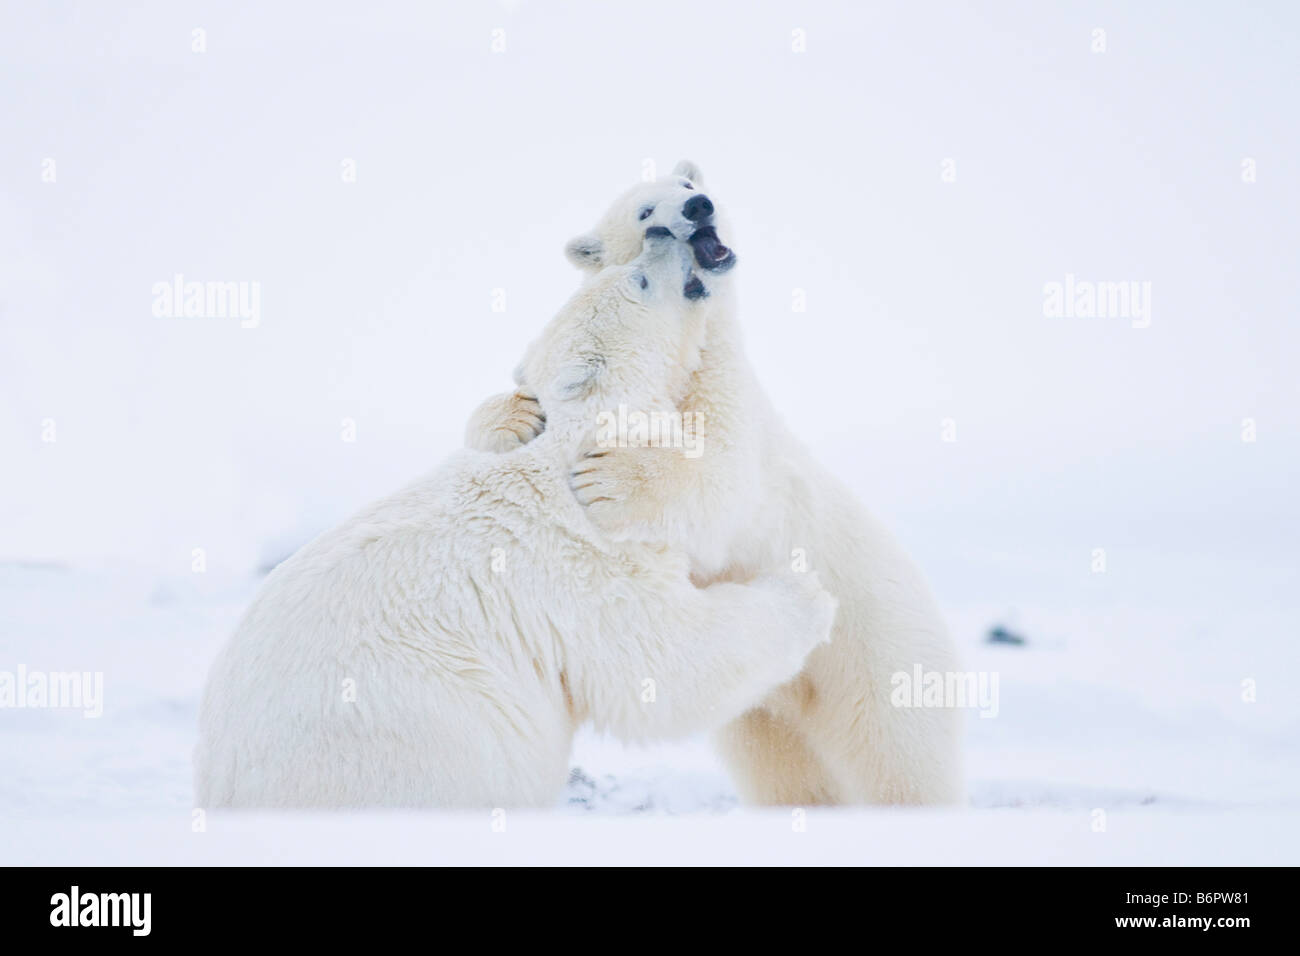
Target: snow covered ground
column 1127, row 716
column 845, row 838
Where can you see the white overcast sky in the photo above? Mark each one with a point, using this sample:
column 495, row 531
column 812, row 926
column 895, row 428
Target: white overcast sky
column 924, row 298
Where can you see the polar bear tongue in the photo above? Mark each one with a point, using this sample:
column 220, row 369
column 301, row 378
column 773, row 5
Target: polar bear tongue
column 710, row 253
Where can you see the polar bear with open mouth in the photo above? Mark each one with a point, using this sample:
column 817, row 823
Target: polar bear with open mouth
column 755, row 500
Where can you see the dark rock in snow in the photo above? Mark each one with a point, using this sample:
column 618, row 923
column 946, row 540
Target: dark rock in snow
column 1000, row 635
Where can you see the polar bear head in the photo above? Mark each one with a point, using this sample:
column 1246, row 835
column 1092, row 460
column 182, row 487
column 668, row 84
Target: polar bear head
column 630, row 335
column 677, row 203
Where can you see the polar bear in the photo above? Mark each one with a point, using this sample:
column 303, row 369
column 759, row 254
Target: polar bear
column 756, row 500
column 440, row 648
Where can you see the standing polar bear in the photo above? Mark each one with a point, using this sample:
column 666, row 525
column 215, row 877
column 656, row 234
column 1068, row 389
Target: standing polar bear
column 441, row 647
column 755, row 499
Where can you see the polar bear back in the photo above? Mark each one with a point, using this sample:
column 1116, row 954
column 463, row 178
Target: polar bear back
column 462, row 602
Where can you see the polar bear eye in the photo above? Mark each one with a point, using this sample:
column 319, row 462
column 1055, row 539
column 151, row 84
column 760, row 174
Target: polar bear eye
column 686, row 183
column 645, row 213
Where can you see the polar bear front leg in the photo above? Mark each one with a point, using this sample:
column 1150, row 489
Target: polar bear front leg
column 504, row 422
column 697, row 494
column 626, row 490
column 690, row 659
column 662, row 494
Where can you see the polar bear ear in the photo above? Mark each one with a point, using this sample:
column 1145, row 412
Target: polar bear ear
column 690, row 170
column 586, row 252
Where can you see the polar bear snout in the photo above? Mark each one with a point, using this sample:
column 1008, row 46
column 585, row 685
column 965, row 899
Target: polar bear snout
column 697, row 208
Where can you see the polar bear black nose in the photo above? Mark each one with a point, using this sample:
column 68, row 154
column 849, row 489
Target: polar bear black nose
column 697, row 208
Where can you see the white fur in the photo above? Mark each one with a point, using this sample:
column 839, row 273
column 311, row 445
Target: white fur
column 756, row 500
column 441, row 647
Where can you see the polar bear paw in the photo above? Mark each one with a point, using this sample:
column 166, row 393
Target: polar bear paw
column 809, row 607
column 505, row 422
column 617, row 487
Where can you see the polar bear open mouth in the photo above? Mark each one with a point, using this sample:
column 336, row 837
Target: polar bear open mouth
column 710, row 253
